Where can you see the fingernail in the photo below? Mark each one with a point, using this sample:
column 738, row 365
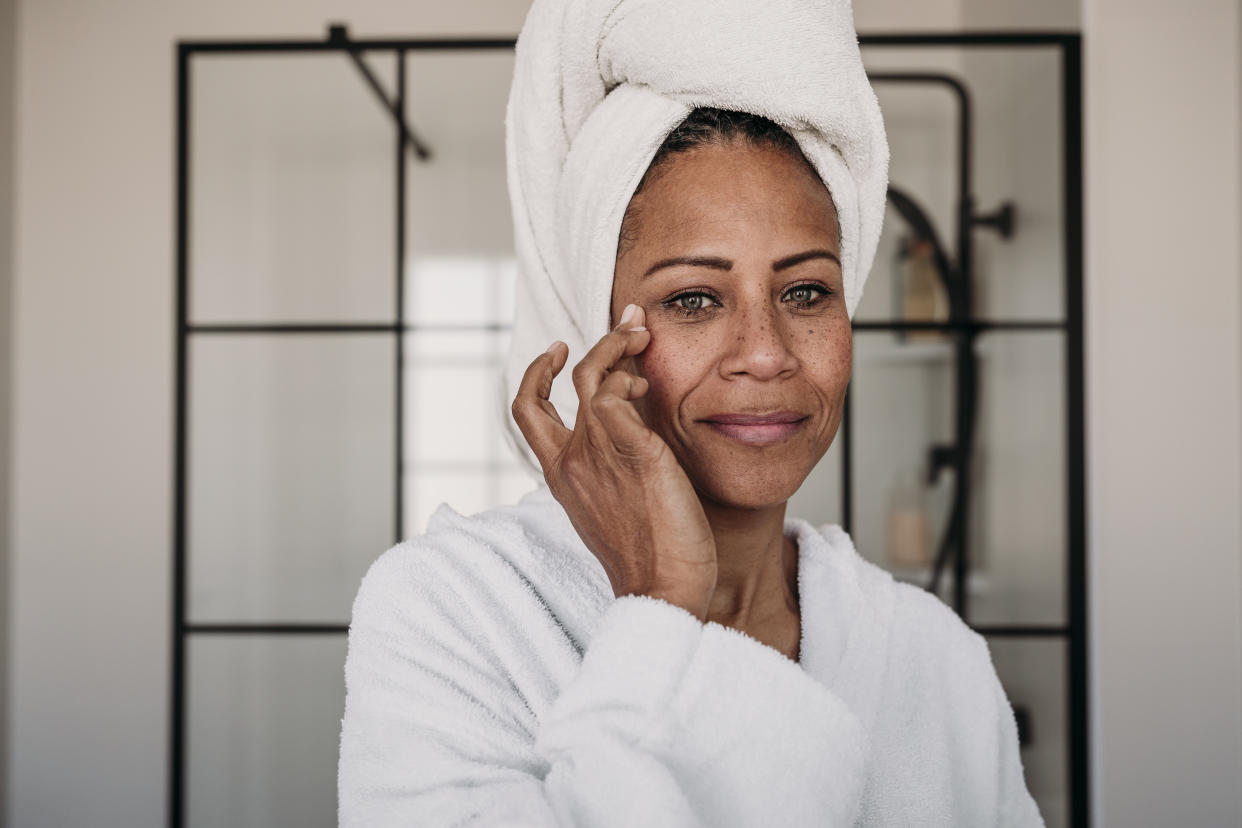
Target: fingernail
column 552, row 347
column 628, row 313
column 639, row 328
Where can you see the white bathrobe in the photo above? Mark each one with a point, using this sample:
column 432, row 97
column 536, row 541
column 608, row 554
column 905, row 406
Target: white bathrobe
column 494, row 679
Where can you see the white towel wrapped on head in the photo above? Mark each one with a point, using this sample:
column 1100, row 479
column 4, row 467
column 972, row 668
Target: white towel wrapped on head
column 599, row 84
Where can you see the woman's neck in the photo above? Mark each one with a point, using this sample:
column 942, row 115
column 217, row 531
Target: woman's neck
column 757, row 566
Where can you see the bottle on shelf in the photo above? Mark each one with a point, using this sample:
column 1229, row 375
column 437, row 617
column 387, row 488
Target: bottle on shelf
column 909, row 530
column 921, row 296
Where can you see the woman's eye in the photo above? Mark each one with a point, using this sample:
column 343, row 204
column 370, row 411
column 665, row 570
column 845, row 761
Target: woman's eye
column 690, row 302
column 805, row 294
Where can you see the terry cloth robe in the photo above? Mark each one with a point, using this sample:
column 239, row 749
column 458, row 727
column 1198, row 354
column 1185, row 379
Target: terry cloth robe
column 493, row 679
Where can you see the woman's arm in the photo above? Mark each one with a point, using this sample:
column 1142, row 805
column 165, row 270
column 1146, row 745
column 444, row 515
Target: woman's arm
column 666, row 721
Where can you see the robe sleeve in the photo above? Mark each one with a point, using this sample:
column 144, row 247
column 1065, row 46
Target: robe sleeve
column 666, row 722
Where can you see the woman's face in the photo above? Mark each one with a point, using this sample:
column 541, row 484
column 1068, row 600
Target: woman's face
column 733, row 254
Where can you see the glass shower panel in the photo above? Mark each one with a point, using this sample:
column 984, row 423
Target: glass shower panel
column 463, row 290
column 907, row 386
column 290, row 473
column 819, row 499
column 457, row 203
column 1032, row 671
column 292, row 455
column 1019, row 479
column 1019, row 157
column 1016, row 156
column 922, row 136
column 263, row 730
column 902, row 406
column 467, row 492
column 292, row 190
column 459, row 273
column 456, row 410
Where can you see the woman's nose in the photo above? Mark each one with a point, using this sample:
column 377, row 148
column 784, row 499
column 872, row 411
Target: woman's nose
column 759, row 345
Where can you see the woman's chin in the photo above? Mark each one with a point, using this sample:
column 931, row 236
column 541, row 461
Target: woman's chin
column 730, row 473
column 748, row 488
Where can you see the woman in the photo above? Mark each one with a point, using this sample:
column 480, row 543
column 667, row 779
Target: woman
column 730, row 253
column 650, row 639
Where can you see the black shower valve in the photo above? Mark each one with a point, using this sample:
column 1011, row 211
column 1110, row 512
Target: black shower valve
column 1001, row 219
column 939, row 457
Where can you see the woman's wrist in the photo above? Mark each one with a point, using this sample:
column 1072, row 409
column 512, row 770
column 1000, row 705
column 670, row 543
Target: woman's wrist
column 695, row 604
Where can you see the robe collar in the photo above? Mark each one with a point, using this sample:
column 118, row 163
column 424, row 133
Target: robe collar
column 847, row 606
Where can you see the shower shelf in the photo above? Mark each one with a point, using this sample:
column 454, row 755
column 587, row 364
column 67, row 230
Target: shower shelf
column 890, row 351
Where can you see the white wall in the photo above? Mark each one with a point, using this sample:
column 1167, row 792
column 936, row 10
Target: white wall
column 1036, row 15
column 7, row 64
column 1164, row 361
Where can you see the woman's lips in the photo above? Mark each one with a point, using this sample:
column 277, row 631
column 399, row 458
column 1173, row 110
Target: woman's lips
column 757, row 429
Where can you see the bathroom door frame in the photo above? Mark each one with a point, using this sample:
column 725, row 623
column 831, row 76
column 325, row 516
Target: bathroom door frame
column 1074, row 631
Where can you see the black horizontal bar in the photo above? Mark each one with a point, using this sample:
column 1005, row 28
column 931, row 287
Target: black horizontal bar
column 293, row 327
column 412, row 44
column 1049, row 38
column 343, row 327
column 266, row 629
column 451, row 44
column 969, row 325
column 493, row 327
column 1016, row 631
column 341, row 629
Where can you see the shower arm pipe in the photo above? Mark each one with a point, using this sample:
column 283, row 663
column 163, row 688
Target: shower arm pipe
column 923, row 228
column 941, row 456
column 338, row 35
column 965, row 206
column 958, row 281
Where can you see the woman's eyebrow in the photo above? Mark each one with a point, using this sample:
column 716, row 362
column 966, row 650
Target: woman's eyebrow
column 799, row 258
column 725, row 264
column 699, row 261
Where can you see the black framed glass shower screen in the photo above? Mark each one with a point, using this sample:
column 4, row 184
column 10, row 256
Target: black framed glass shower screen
column 342, row 315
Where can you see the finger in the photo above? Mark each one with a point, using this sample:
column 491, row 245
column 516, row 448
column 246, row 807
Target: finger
column 615, row 413
column 624, row 384
column 532, row 410
column 626, row 340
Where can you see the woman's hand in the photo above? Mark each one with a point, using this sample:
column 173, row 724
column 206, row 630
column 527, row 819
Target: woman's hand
column 624, row 491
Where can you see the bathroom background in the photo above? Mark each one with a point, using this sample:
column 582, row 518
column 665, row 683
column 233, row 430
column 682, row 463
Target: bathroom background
column 178, row 593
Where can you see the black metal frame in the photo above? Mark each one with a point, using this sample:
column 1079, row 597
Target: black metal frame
column 1075, row 630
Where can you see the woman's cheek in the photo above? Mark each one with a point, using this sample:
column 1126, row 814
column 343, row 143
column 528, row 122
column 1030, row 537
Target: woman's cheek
column 829, row 349
column 670, row 364
column 675, row 353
